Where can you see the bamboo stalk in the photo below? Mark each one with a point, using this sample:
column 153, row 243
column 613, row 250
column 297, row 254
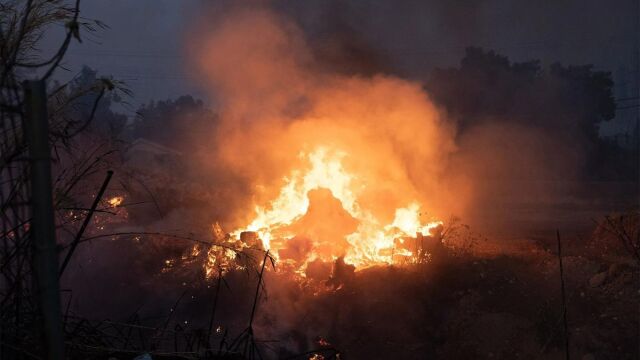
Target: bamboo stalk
column 87, row 219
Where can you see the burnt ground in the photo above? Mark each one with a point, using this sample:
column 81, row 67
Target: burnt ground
column 495, row 298
column 504, row 307
column 489, row 302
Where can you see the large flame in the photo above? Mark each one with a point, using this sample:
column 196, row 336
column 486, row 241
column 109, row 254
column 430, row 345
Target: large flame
column 316, row 165
column 373, row 242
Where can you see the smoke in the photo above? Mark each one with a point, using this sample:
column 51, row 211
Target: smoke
column 276, row 102
column 515, row 175
column 278, row 99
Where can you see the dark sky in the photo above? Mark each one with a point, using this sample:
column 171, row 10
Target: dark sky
column 144, row 46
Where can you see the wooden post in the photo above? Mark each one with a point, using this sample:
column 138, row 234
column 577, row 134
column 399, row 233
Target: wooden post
column 42, row 232
column 564, row 299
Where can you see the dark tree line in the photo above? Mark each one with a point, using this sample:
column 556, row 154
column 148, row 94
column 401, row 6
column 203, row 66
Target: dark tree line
column 567, row 101
column 183, row 123
column 82, row 97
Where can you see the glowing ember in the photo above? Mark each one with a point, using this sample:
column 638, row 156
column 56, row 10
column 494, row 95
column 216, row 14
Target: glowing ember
column 322, row 341
column 115, row 201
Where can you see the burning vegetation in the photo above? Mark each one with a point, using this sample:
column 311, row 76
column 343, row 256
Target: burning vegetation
column 336, row 166
column 317, row 216
column 310, row 215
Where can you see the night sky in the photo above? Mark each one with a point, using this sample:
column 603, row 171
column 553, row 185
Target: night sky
column 144, row 43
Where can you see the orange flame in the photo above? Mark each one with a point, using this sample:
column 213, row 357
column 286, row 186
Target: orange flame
column 372, row 242
column 334, row 166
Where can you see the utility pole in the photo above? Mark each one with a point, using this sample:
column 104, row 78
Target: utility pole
column 44, row 260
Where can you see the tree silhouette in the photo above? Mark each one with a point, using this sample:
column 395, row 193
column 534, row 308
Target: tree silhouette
column 83, row 99
column 568, row 101
column 163, row 121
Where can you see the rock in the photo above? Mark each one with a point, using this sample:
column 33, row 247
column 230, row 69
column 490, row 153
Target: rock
column 588, row 357
column 598, row 279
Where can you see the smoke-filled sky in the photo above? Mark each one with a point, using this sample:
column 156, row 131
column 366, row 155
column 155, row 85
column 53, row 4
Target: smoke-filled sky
column 145, row 42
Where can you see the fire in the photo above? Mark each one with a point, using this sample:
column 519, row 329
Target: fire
column 290, row 216
column 326, row 166
column 115, row 201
